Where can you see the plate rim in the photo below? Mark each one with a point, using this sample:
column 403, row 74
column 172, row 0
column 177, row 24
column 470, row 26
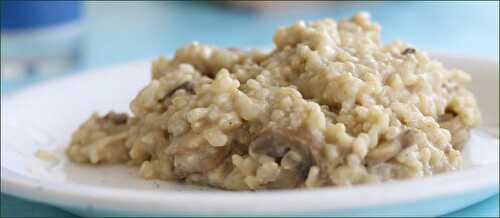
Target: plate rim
column 231, row 201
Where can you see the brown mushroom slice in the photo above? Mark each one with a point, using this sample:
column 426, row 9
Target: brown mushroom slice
column 446, row 117
column 286, row 180
column 116, row 118
column 201, row 160
column 187, row 86
column 410, row 137
column 408, row 51
column 460, row 133
column 192, row 154
column 277, row 144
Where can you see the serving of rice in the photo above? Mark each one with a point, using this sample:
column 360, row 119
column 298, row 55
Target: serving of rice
column 330, row 105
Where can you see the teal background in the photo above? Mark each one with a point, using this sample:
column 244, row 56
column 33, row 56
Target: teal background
column 120, row 32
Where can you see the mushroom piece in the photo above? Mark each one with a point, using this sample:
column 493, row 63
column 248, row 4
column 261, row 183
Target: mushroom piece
column 446, row 117
column 460, row 133
column 187, row 86
column 116, row 118
column 198, row 161
column 408, row 51
column 277, row 143
column 388, row 150
column 191, row 154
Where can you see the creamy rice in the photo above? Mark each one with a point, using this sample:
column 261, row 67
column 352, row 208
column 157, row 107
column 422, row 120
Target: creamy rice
column 330, row 105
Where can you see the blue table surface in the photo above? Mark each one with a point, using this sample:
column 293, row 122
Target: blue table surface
column 120, row 32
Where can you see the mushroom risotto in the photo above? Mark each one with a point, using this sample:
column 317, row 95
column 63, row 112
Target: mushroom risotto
column 330, row 105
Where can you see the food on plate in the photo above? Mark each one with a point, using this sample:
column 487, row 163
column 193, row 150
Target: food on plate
column 331, row 105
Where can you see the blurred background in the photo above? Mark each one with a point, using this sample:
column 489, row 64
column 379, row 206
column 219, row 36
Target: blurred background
column 46, row 40
column 43, row 40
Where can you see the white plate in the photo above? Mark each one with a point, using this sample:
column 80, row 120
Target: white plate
column 43, row 116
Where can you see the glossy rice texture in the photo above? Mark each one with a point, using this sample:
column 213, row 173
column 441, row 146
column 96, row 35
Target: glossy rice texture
column 330, row 105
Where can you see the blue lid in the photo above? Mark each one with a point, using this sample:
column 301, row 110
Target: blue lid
column 18, row 15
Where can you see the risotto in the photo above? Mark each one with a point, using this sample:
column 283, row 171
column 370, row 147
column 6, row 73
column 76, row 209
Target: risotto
column 331, row 105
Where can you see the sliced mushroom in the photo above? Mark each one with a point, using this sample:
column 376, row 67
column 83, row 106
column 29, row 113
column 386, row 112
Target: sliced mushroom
column 192, row 154
column 445, row 117
column 198, row 161
column 448, row 115
column 116, row 118
column 460, row 133
column 277, row 143
column 408, row 51
column 188, row 86
column 410, row 137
